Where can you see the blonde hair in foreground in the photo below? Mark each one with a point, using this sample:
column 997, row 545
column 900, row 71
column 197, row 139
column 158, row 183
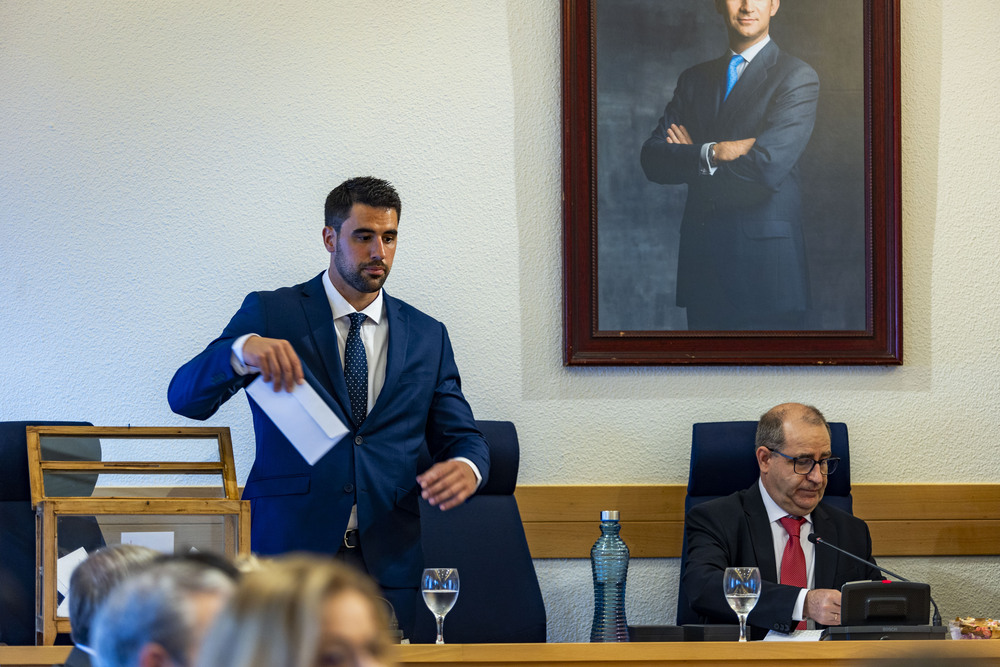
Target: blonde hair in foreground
column 276, row 617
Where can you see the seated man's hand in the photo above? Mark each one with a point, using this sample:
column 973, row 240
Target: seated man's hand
column 447, row 484
column 823, row 606
column 276, row 360
column 727, row 151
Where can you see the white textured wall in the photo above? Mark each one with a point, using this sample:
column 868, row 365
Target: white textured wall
column 161, row 159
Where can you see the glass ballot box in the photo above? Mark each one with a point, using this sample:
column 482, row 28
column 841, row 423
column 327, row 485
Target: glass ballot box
column 172, row 489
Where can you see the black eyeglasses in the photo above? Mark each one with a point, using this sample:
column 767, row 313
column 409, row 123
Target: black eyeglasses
column 804, row 466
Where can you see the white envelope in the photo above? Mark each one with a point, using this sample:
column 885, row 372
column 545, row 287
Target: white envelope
column 64, row 570
column 303, row 417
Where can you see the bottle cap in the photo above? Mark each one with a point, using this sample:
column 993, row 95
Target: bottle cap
column 609, row 515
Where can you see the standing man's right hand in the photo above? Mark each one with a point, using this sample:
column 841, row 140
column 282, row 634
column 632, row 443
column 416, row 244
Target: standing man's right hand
column 276, row 360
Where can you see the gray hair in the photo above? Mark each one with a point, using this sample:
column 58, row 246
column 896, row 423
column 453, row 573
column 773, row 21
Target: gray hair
column 156, row 606
column 771, row 427
column 94, row 579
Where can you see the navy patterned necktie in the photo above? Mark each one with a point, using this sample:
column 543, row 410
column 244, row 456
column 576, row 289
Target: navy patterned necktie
column 732, row 74
column 356, row 370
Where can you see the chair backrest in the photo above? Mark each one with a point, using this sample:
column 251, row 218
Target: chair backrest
column 17, row 525
column 723, row 462
column 500, row 600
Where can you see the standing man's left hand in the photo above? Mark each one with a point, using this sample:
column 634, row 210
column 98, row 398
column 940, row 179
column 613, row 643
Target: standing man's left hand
column 447, row 484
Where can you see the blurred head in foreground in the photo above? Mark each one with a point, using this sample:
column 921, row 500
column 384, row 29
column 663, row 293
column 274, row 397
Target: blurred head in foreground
column 300, row 611
column 158, row 617
column 94, row 580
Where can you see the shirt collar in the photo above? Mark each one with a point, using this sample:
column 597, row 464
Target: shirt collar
column 750, row 53
column 774, row 512
column 340, row 307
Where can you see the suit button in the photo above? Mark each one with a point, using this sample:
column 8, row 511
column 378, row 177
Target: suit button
column 358, row 440
column 348, row 488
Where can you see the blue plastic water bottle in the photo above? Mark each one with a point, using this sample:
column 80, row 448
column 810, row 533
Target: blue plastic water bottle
column 609, row 563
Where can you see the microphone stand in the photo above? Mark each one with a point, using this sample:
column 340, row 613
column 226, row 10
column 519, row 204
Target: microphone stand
column 935, row 620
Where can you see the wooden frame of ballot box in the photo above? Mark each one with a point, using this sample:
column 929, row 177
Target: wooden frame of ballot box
column 202, row 510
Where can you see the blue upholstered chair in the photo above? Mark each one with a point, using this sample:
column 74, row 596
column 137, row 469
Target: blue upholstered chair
column 17, row 523
column 500, row 600
column 723, row 462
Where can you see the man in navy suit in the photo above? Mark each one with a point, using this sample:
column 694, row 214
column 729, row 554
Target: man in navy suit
column 412, row 432
column 734, row 132
column 747, row 529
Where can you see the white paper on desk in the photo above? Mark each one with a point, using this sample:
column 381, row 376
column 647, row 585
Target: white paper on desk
column 157, row 540
column 794, row 636
column 64, row 570
column 302, row 416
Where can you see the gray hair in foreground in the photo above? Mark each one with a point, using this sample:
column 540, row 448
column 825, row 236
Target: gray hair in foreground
column 157, row 605
column 95, row 578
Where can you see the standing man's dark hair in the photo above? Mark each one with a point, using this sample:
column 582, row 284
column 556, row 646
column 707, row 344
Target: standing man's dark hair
column 366, row 190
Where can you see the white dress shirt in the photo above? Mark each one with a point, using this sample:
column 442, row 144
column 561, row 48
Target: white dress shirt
column 780, row 537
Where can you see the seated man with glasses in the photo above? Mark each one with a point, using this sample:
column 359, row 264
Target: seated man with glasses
column 767, row 525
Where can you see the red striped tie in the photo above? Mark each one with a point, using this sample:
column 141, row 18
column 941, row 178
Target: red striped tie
column 793, row 560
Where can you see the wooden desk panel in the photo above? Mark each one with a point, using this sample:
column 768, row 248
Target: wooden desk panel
column 705, row 654
column 33, row 656
column 700, row 654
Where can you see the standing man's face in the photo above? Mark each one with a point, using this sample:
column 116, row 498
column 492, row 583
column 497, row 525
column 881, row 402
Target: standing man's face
column 747, row 21
column 361, row 254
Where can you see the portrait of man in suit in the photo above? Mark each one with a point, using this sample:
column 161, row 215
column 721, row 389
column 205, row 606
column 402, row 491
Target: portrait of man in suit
column 734, row 132
column 384, row 368
column 730, row 200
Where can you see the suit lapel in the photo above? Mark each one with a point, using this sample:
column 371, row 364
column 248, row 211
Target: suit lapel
column 760, row 533
column 825, row 558
column 398, row 338
column 320, row 319
column 744, row 93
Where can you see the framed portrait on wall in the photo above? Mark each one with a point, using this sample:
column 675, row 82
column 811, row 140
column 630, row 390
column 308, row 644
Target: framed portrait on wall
column 731, row 210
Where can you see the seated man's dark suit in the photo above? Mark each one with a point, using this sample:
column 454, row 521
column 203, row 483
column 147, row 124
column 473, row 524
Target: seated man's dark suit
column 734, row 532
column 419, row 414
column 741, row 248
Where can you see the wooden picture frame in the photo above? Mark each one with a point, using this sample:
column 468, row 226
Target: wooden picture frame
column 877, row 336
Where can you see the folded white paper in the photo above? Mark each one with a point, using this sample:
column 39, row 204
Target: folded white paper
column 305, row 419
column 157, row 540
column 794, row 636
column 64, row 570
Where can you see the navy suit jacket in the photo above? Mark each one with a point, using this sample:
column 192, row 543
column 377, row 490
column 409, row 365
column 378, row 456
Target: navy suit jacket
column 734, row 532
column 741, row 236
column 419, row 415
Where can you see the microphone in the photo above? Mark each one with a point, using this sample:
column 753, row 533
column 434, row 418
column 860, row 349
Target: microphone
column 936, row 620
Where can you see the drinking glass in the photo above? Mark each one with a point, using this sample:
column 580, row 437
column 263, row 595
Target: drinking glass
column 742, row 588
column 439, row 586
